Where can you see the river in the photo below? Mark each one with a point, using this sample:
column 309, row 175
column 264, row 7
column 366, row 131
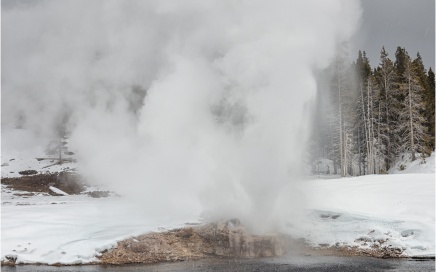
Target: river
column 300, row 263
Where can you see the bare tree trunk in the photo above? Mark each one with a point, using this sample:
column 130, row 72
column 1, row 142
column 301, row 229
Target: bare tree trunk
column 370, row 159
column 388, row 144
column 340, row 124
column 335, row 167
column 378, row 139
column 371, row 108
column 345, row 153
column 365, row 127
column 412, row 144
column 360, row 153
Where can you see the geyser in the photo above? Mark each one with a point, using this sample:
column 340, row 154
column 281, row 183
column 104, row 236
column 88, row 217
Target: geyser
column 229, row 88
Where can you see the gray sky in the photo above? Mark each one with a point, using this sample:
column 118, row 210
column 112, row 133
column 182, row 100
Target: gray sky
column 392, row 23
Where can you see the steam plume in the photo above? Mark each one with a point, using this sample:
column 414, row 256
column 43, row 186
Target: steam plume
column 184, row 106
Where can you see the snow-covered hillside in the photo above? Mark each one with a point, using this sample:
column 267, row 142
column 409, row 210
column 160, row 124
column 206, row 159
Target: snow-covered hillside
column 22, row 150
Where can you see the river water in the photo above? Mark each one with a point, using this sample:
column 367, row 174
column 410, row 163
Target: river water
column 300, row 263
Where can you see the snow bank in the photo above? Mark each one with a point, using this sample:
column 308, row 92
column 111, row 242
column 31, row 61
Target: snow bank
column 398, row 208
column 70, row 229
column 404, row 165
column 57, row 191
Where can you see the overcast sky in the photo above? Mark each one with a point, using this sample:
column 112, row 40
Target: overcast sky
column 392, row 23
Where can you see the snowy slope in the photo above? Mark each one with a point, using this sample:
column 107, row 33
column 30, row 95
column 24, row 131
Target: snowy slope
column 20, row 149
column 418, row 166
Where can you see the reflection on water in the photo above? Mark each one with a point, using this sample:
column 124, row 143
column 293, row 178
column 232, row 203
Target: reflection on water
column 293, row 263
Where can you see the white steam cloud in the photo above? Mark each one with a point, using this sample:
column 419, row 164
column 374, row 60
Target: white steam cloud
column 229, row 87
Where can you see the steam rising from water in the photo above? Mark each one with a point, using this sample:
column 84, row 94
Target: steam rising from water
column 229, row 90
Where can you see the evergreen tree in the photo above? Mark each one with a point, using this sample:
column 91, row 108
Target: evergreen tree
column 385, row 74
column 401, row 58
column 363, row 71
column 373, row 115
column 430, row 108
column 412, row 122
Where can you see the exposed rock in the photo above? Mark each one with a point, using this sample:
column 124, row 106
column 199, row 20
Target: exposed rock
column 10, row 259
column 353, row 251
column 364, row 239
column 69, row 182
column 408, row 232
column 28, row 172
column 98, row 194
column 221, row 239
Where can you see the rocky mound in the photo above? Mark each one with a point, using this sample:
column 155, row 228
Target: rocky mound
column 225, row 239
column 222, row 239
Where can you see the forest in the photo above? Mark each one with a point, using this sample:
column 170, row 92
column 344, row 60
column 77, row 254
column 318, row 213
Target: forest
column 371, row 117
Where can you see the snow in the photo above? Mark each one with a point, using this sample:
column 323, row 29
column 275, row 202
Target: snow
column 20, row 149
column 69, row 229
column 418, row 166
column 374, row 206
column 57, row 191
column 396, row 210
column 322, row 166
column 73, row 229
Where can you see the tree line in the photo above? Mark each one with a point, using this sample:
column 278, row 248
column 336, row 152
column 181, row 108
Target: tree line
column 373, row 115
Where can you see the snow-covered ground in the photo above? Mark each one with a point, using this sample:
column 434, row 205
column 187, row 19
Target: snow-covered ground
column 426, row 165
column 20, row 149
column 69, row 229
column 395, row 210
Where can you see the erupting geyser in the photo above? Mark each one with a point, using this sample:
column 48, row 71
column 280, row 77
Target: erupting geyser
column 229, row 87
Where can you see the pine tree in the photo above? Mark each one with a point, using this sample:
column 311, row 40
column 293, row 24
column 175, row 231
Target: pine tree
column 363, row 71
column 401, row 58
column 376, row 114
column 385, row 74
column 430, row 107
column 412, row 121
